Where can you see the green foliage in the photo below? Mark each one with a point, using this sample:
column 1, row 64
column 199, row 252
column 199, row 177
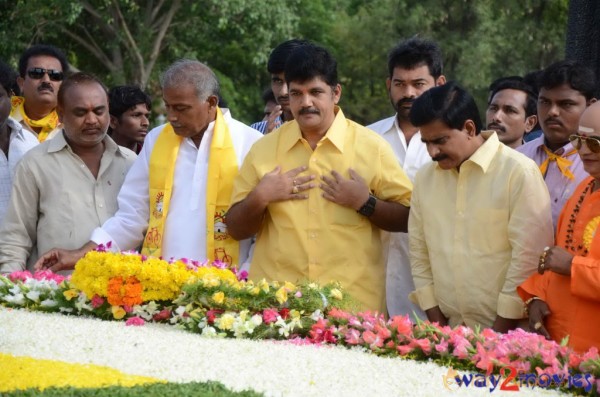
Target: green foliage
column 122, row 42
column 193, row 389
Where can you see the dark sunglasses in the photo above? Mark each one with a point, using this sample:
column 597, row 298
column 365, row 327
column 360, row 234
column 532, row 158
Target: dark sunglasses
column 38, row 73
column 592, row 142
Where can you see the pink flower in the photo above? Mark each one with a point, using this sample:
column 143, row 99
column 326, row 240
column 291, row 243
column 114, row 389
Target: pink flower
column 372, row 339
column 403, row 350
column 162, row 315
column 442, row 347
column 19, row 276
column 423, row 344
column 127, row 308
column 135, row 321
column 352, row 337
column 97, row 301
column 243, row 275
column 321, row 333
column 338, row 314
column 382, row 331
column 298, row 294
column 402, row 325
column 269, row 316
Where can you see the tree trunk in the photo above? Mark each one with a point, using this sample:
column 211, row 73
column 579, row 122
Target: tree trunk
column 583, row 34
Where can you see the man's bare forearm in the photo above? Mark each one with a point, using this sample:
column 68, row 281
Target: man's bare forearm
column 245, row 217
column 389, row 216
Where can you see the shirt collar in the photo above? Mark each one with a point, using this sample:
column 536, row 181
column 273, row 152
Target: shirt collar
column 541, row 141
column 336, row 133
column 485, row 153
column 58, row 143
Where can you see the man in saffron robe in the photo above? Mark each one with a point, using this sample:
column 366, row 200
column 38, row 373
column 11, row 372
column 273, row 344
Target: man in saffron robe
column 563, row 298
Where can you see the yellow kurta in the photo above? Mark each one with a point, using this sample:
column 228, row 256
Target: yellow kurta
column 475, row 235
column 316, row 239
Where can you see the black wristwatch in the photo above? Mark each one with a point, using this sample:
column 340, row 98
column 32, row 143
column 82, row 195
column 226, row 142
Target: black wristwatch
column 369, row 207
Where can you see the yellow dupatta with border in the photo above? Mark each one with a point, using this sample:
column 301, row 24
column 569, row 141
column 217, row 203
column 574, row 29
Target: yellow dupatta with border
column 222, row 170
column 47, row 124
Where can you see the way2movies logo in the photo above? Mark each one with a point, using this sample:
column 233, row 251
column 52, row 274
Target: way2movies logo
column 509, row 379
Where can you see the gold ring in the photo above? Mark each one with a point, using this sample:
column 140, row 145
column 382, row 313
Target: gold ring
column 295, row 190
column 542, row 265
column 546, row 250
column 537, row 325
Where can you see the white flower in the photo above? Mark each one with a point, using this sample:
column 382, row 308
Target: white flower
column 15, row 299
column 317, row 315
column 48, row 303
column 256, row 320
column 33, row 295
column 209, row 332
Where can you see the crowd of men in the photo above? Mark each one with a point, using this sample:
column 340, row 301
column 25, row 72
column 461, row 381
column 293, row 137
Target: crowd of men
column 432, row 212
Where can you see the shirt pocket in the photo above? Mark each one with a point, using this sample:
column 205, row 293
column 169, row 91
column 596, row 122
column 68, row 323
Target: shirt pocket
column 345, row 216
column 489, row 232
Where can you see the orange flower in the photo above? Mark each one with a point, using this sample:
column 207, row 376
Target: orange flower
column 124, row 293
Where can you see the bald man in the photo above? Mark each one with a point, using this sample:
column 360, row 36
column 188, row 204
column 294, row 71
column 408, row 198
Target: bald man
column 563, row 298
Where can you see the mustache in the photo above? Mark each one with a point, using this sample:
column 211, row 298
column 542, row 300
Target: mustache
column 496, row 126
column 283, row 98
column 405, row 101
column 46, row 86
column 439, row 157
column 554, row 120
column 309, row 111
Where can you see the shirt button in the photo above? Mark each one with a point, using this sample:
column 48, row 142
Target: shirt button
column 100, row 205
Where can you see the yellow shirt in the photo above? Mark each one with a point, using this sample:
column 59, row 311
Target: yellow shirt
column 475, row 235
column 316, row 239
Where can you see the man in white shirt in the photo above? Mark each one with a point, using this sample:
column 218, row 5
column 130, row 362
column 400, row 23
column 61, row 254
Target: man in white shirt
column 14, row 139
column 178, row 219
column 414, row 66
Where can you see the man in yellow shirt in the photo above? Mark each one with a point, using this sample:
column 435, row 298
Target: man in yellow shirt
column 480, row 216
column 319, row 190
column 42, row 69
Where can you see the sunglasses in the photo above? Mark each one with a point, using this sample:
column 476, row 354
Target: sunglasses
column 38, row 73
column 592, row 142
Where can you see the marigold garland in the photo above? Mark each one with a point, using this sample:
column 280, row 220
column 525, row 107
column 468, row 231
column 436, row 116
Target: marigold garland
column 131, row 279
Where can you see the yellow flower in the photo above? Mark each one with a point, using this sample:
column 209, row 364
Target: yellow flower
column 294, row 313
column 336, row 294
column 118, row 312
column 262, row 284
column 281, row 295
column 289, row 286
column 313, row 286
column 211, row 280
column 71, row 293
column 255, row 291
column 225, row 322
column 218, row 297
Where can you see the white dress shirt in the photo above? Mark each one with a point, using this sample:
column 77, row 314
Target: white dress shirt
column 399, row 281
column 20, row 141
column 185, row 226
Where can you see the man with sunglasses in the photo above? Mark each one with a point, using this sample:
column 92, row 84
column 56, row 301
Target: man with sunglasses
column 41, row 72
column 563, row 298
column 566, row 90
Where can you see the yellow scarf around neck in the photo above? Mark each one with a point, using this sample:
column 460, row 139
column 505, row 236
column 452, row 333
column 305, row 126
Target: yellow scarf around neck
column 562, row 163
column 222, row 170
column 47, row 123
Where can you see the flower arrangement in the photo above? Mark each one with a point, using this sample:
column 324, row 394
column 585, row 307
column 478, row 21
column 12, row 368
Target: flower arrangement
column 130, row 279
column 211, row 300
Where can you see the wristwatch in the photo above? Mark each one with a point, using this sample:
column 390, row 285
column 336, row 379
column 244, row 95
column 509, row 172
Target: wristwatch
column 369, row 207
